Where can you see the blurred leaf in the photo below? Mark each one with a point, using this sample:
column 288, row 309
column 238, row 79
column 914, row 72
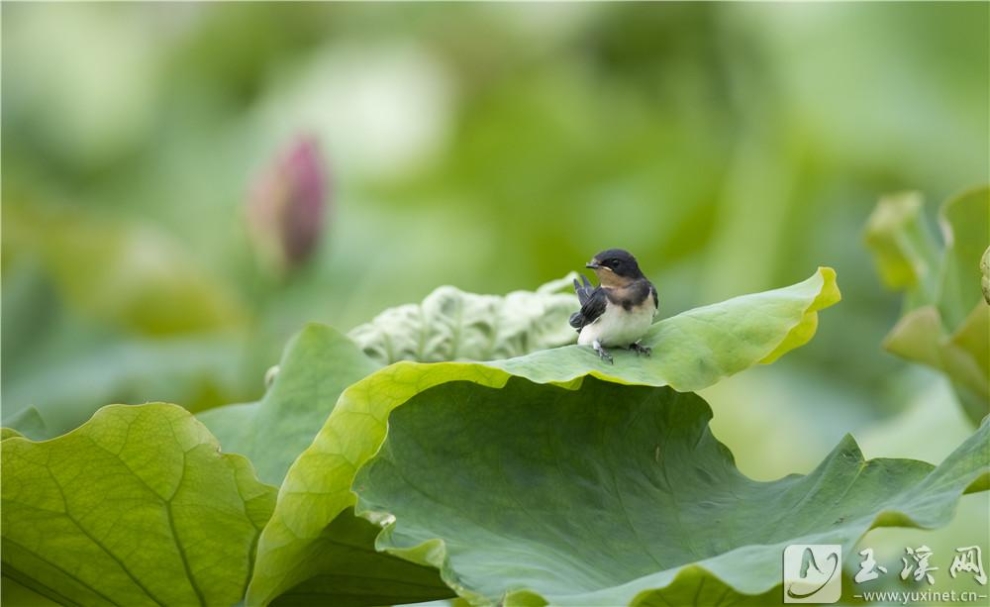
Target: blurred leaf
column 126, row 275
column 67, row 366
column 947, row 328
column 81, row 368
column 317, row 366
column 28, row 423
column 28, row 306
column 692, row 350
column 503, row 508
column 916, row 337
column 137, row 277
column 965, row 222
column 970, row 345
column 903, row 246
column 135, row 507
column 966, row 360
column 451, row 324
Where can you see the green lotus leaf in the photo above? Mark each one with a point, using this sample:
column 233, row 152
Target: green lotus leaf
column 135, row 507
column 946, row 322
column 451, row 324
column 317, row 365
column 917, row 336
column 360, row 575
column 613, row 495
column 6, row 433
column 13, row 593
column 965, row 222
column 691, row 351
column 965, row 358
column 903, row 245
column 699, row 347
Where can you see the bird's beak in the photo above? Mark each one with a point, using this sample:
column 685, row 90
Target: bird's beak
column 593, row 264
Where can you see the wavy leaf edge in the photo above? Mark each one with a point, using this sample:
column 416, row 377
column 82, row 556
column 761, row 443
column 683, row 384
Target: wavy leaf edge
column 434, row 552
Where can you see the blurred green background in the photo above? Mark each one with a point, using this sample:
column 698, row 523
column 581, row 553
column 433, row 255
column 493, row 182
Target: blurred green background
column 732, row 147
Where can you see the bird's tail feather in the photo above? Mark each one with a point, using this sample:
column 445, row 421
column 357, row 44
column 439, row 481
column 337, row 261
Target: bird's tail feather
column 583, row 291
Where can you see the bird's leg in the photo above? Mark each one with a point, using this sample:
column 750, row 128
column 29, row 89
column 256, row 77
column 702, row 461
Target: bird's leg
column 602, row 352
column 639, row 348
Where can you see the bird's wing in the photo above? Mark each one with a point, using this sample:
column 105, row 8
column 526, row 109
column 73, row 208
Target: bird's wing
column 592, row 307
column 656, row 298
column 583, row 291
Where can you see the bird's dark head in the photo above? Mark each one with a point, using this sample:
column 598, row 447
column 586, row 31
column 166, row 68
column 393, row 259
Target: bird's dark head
column 615, row 267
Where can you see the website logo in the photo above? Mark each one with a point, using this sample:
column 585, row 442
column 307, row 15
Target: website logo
column 812, row 573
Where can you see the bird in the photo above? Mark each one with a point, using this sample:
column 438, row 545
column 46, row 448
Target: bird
column 618, row 312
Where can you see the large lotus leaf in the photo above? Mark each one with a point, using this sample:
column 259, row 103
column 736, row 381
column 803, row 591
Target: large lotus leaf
column 135, row 507
column 612, row 495
column 317, row 365
column 691, row 351
column 699, row 347
column 451, row 324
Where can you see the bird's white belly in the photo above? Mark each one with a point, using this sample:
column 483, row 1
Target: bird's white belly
column 617, row 327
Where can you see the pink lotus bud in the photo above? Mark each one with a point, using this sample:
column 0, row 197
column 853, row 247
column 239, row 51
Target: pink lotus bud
column 286, row 207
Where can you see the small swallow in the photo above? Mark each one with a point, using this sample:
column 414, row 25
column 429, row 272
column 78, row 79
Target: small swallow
column 620, row 310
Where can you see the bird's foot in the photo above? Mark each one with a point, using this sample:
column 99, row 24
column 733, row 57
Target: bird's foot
column 639, row 348
column 602, row 352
